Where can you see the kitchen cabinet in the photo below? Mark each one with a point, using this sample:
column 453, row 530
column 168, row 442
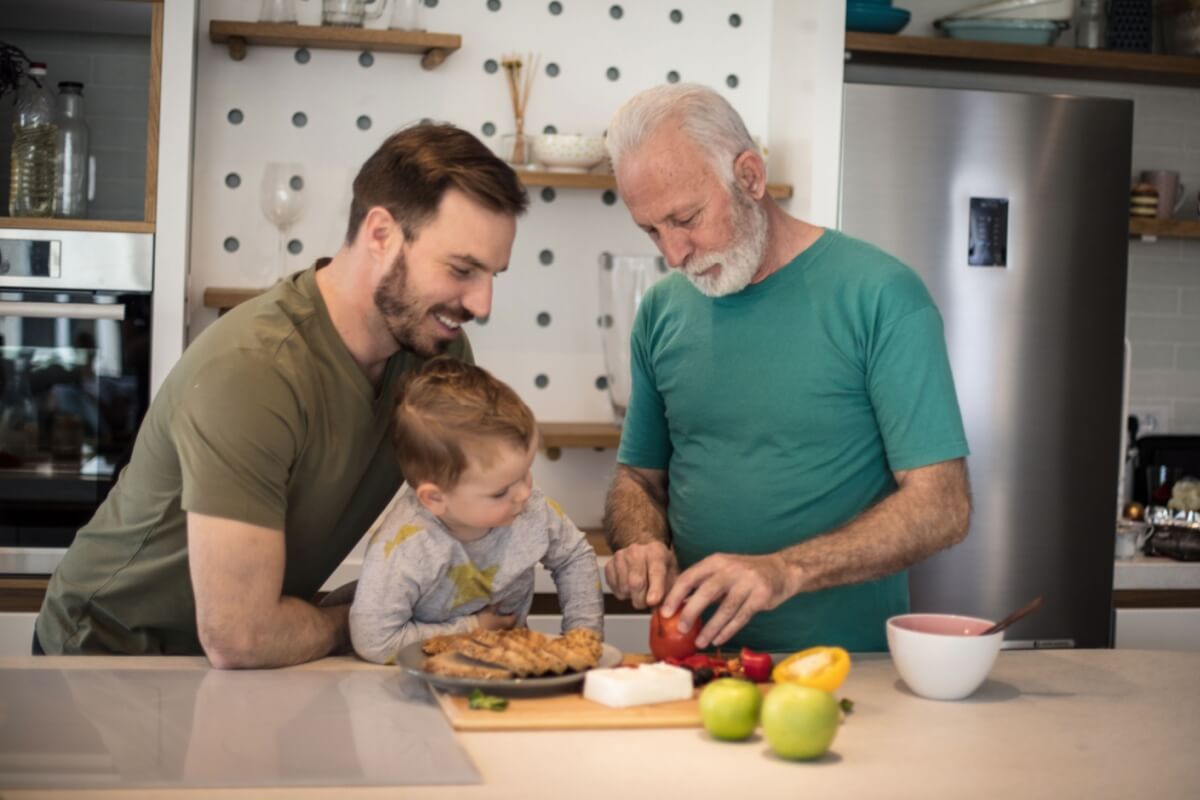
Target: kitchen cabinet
column 16, row 633
column 81, row 38
column 1156, row 604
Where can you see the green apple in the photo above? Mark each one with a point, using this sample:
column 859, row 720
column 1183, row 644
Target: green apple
column 729, row 708
column 799, row 721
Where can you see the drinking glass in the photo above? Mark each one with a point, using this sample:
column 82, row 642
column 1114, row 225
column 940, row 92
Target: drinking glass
column 282, row 204
column 343, row 13
column 281, row 11
column 624, row 281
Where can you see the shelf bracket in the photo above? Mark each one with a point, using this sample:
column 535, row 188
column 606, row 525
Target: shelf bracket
column 237, row 47
column 433, row 57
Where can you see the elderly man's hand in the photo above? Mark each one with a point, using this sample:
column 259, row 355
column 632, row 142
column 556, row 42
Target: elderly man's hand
column 642, row 573
column 744, row 585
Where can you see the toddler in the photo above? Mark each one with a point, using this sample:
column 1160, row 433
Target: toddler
column 455, row 549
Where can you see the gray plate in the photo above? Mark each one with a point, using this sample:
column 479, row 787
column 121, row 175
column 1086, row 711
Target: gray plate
column 411, row 658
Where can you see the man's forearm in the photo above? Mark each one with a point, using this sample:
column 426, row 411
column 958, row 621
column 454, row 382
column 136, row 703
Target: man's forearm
column 928, row 514
column 635, row 511
column 293, row 632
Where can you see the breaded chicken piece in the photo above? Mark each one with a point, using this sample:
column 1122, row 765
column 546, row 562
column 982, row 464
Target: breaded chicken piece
column 455, row 666
column 441, row 644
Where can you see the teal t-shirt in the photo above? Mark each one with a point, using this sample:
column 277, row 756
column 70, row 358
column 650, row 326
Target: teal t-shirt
column 781, row 412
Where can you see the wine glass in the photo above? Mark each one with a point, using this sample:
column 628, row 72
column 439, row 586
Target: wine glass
column 283, row 202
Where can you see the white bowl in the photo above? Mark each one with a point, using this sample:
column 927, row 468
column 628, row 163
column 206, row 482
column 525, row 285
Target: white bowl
column 942, row 656
column 568, row 152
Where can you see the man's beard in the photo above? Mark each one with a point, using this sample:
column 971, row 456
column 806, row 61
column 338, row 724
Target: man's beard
column 741, row 260
column 403, row 317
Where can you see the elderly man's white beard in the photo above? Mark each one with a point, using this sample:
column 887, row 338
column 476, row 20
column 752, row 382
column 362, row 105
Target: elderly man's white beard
column 741, row 260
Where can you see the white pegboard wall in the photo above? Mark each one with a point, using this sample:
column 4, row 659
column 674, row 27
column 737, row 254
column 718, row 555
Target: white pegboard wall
column 333, row 89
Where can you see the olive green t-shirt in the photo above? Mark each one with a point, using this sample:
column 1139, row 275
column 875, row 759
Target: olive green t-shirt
column 266, row 419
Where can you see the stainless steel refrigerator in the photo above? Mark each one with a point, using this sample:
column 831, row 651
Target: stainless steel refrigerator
column 1014, row 209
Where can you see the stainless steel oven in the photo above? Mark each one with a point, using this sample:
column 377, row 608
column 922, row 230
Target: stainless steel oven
column 74, row 380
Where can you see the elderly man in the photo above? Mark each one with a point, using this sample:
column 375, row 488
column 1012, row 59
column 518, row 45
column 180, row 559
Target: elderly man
column 265, row 454
column 793, row 440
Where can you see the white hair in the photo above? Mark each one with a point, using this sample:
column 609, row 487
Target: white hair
column 705, row 116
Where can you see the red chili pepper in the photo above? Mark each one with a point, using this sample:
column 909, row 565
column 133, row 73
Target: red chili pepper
column 756, row 666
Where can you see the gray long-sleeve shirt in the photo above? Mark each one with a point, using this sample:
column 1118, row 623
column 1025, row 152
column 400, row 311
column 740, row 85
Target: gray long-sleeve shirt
column 418, row 581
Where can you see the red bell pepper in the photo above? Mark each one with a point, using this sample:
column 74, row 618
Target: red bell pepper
column 756, row 666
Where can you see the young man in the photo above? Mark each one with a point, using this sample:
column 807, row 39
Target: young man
column 793, row 439
column 265, row 453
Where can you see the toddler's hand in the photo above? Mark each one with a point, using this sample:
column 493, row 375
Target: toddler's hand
column 491, row 620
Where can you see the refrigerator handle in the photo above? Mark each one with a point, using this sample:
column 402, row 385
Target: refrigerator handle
column 1125, row 481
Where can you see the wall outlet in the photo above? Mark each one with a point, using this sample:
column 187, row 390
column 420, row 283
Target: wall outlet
column 1151, row 419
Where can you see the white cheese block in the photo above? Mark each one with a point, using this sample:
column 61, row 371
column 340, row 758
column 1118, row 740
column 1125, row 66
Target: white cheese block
column 637, row 686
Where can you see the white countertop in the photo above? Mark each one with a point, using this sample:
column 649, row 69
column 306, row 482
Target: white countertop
column 1053, row 724
column 1153, row 572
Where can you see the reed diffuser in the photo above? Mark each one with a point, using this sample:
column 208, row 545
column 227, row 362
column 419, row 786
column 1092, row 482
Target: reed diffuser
column 519, row 74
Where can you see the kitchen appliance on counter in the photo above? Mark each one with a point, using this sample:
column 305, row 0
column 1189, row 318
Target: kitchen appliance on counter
column 74, row 378
column 1014, row 210
column 1166, row 472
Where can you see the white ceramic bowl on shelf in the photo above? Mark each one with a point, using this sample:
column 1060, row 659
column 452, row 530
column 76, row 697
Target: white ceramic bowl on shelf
column 568, row 152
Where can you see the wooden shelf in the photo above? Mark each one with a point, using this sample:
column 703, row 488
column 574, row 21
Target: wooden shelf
column 580, row 434
column 1177, row 228
column 225, row 298
column 942, row 53
column 587, row 180
column 94, row 225
column 432, row 47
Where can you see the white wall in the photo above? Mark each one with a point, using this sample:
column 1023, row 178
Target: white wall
column 786, row 58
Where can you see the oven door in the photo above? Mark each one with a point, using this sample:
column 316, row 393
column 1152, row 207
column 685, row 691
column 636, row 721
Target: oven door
column 74, row 386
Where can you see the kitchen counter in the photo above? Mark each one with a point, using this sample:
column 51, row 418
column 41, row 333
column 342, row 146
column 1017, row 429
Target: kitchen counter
column 1156, row 573
column 1056, row 723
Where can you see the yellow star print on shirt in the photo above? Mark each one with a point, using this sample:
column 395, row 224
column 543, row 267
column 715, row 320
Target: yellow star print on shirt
column 402, row 534
column 557, row 508
column 472, row 582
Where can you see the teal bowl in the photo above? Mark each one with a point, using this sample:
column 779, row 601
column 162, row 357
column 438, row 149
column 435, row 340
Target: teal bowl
column 875, row 17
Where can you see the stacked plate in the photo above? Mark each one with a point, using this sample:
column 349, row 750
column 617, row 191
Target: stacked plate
column 1009, row 21
column 875, row 16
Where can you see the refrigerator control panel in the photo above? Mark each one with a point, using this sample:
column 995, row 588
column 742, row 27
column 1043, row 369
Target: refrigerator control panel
column 987, row 244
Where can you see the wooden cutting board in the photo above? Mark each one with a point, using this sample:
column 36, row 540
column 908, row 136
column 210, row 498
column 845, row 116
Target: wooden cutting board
column 569, row 711
column 565, row 712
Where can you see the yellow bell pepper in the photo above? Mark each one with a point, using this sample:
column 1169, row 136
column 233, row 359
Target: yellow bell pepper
column 818, row 667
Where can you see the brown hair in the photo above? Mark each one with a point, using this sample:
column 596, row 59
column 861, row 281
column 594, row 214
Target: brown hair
column 448, row 406
column 413, row 169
